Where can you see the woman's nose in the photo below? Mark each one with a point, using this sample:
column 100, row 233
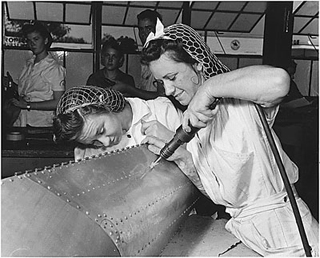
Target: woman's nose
column 169, row 88
column 105, row 140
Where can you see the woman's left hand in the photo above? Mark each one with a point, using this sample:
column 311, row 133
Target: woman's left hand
column 21, row 103
column 156, row 129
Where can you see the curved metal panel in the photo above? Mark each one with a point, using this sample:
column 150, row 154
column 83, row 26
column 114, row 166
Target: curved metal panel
column 139, row 215
column 36, row 222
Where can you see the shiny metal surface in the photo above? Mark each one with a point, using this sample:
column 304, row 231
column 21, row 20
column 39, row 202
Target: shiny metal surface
column 96, row 207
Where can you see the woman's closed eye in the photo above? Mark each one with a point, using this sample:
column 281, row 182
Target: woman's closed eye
column 157, row 83
column 100, row 132
column 171, row 77
column 97, row 143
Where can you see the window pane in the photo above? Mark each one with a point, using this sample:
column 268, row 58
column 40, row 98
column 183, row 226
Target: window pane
column 20, row 10
column 79, row 35
column 78, row 13
column 117, row 32
column 79, row 66
column 49, row 12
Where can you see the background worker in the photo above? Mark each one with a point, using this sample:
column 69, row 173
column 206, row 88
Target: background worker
column 112, row 58
column 147, row 20
column 41, row 83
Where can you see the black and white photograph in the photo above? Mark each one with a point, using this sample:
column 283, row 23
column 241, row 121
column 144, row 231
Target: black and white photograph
column 160, row 128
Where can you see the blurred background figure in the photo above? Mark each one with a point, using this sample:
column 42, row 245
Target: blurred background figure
column 112, row 59
column 41, row 83
column 110, row 76
column 294, row 92
column 147, row 21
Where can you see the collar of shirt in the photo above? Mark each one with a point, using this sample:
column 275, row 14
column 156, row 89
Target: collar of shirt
column 139, row 110
column 49, row 58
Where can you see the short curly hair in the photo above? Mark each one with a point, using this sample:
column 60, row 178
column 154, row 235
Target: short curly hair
column 40, row 28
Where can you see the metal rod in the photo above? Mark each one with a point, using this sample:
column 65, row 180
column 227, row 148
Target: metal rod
column 286, row 182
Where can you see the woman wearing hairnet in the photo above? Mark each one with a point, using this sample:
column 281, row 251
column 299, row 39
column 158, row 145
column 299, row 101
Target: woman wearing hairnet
column 230, row 155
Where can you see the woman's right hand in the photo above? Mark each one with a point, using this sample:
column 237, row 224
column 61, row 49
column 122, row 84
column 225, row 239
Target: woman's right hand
column 20, row 102
column 157, row 135
column 199, row 112
column 155, row 145
column 6, row 81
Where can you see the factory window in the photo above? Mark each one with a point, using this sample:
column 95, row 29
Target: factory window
column 62, row 20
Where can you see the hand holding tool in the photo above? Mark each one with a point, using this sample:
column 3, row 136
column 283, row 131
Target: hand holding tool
column 179, row 138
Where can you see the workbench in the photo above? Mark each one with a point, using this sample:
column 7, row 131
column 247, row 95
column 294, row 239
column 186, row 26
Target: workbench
column 36, row 150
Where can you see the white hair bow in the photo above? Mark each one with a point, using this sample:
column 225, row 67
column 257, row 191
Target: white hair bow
column 159, row 33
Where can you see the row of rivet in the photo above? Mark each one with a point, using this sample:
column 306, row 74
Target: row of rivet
column 72, row 162
column 125, row 218
column 28, row 173
column 18, row 174
column 59, row 194
column 154, row 201
column 182, row 214
column 48, row 169
column 108, row 153
column 121, row 220
column 170, row 225
column 103, row 185
column 113, row 233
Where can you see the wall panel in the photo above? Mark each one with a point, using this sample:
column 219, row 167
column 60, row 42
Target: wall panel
column 79, row 67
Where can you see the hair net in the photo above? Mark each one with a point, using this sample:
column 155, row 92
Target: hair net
column 81, row 96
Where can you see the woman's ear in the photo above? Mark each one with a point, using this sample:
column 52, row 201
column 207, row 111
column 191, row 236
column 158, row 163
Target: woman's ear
column 121, row 61
column 102, row 59
column 46, row 41
column 198, row 67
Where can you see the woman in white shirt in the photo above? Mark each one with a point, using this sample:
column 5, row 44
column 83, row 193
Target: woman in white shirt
column 102, row 120
column 231, row 155
column 42, row 81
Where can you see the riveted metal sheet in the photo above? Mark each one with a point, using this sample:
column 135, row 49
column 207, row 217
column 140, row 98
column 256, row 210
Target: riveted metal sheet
column 139, row 215
column 37, row 223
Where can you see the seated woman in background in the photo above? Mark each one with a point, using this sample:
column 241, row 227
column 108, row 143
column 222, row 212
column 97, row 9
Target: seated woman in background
column 112, row 58
column 103, row 120
column 41, row 83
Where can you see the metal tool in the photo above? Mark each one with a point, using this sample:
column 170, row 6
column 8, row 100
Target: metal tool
column 179, row 139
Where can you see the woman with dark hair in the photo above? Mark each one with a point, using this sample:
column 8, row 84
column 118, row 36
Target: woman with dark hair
column 41, row 83
column 102, row 120
column 230, row 155
column 112, row 58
